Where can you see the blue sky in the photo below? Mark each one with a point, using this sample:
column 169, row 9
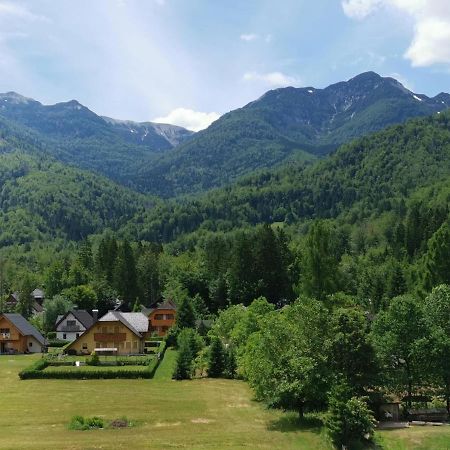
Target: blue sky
column 188, row 61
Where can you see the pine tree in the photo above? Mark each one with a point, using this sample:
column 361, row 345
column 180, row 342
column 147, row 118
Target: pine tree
column 216, row 362
column 185, row 317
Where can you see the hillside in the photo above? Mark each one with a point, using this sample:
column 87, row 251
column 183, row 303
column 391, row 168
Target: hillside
column 41, row 198
column 75, row 135
column 366, row 177
column 287, row 123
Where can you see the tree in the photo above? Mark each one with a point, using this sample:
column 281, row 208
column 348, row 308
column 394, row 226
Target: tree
column 320, row 266
column 185, row 316
column 396, row 336
column 437, row 317
column 351, row 354
column 216, row 360
column 435, row 267
column 26, row 300
column 285, row 361
column 125, row 277
column 349, row 420
column 83, row 296
column 189, row 344
column 54, row 307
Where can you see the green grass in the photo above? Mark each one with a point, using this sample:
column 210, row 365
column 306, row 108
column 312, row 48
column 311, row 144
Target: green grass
column 198, row 414
column 166, row 366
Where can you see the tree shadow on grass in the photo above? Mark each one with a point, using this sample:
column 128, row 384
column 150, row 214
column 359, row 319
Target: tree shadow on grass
column 291, row 423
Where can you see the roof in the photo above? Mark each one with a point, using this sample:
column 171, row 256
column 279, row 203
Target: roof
column 136, row 322
column 80, row 314
column 38, row 293
column 24, row 326
column 37, row 308
column 167, row 304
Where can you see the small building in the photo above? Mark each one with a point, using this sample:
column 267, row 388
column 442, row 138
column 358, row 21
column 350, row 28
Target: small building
column 36, row 307
column 17, row 335
column 161, row 318
column 389, row 412
column 73, row 324
column 125, row 332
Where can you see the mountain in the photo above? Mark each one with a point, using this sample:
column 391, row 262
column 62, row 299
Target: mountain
column 75, row 135
column 42, row 199
column 364, row 179
column 286, row 123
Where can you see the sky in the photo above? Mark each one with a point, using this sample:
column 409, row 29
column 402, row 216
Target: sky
column 187, row 62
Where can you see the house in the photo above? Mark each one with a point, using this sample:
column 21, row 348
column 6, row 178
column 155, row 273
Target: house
column 73, row 324
column 17, row 335
column 36, row 307
column 161, row 318
column 116, row 332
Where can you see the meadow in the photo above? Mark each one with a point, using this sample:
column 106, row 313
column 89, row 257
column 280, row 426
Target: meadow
column 198, row 414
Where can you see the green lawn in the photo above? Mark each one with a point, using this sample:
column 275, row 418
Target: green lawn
column 199, row 414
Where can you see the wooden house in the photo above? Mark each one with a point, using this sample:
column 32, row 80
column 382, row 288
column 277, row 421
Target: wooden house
column 17, row 335
column 73, row 324
column 161, row 317
column 116, row 332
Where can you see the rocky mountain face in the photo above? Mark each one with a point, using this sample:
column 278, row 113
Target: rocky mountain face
column 283, row 124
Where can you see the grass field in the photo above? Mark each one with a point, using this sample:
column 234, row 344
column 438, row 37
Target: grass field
column 199, row 414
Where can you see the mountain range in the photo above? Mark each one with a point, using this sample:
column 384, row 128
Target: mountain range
column 284, row 125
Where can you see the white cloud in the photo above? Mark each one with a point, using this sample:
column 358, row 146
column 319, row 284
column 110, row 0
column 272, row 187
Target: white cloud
column 14, row 10
column 188, row 118
column 431, row 41
column 249, row 37
column 272, row 79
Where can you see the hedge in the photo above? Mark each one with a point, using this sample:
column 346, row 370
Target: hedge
column 37, row 370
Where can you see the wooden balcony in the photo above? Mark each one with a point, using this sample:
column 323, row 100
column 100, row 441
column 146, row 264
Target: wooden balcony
column 110, row 337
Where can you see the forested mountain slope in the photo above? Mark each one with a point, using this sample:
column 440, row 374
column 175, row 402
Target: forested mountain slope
column 41, row 198
column 367, row 177
column 285, row 123
column 75, row 135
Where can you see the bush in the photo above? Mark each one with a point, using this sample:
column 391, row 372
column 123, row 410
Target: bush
column 93, row 360
column 57, row 343
column 51, row 335
column 86, row 423
column 349, row 421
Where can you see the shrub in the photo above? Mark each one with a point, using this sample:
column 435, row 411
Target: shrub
column 86, row 423
column 93, row 360
column 349, row 421
column 57, row 343
column 51, row 335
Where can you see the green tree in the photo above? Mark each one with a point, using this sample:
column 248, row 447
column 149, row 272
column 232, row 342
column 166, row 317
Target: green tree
column 26, row 300
column 53, row 307
column 125, row 276
column 185, row 316
column 216, row 360
column 83, row 296
column 396, row 336
column 189, row 344
column 285, row 361
column 320, row 266
column 351, row 354
column 349, row 421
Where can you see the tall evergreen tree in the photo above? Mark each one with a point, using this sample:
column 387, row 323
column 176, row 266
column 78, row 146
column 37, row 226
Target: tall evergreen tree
column 185, row 317
column 216, row 361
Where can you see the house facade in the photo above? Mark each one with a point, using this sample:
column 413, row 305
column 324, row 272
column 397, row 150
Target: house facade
column 17, row 335
column 37, row 297
column 161, row 318
column 117, row 332
column 73, row 324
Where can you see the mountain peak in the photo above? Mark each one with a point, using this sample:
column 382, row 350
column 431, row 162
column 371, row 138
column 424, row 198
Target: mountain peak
column 15, row 98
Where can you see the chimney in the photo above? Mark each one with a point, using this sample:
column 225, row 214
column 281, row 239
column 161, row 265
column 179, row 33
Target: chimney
column 95, row 315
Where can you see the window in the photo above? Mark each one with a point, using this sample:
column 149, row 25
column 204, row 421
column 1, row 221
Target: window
column 159, row 316
column 128, row 344
column 121, row 345
column 4, row 331
column 135, row 344
column 169, row 316
column 30, row 344
column 64, row 336
column 71, row 323
column 104, row 330
column 77, row 335
column 85, row 346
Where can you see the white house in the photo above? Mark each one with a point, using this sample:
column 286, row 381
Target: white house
column 73, row 324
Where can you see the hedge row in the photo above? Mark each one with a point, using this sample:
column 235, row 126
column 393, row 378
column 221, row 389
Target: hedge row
column 37, row 371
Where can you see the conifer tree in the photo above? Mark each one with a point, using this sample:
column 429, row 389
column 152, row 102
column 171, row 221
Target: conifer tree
column 216, row 362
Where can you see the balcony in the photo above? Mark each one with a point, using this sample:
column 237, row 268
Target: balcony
column 70, row 329
column 110, row 337
column 5, row 336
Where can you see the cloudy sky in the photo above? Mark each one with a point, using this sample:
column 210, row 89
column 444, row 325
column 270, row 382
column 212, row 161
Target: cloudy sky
column 188, row 61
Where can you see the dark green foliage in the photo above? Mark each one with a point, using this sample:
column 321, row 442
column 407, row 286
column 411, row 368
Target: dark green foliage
column 86, row 423
column 217, row 358
column 185, row 317
column 349, row 421
column 189, row 343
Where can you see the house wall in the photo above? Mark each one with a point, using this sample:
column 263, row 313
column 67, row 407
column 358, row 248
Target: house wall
column 160, row 326
column 69, row 336
column 15, row 341
column 108, row 335
column 33, row 345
